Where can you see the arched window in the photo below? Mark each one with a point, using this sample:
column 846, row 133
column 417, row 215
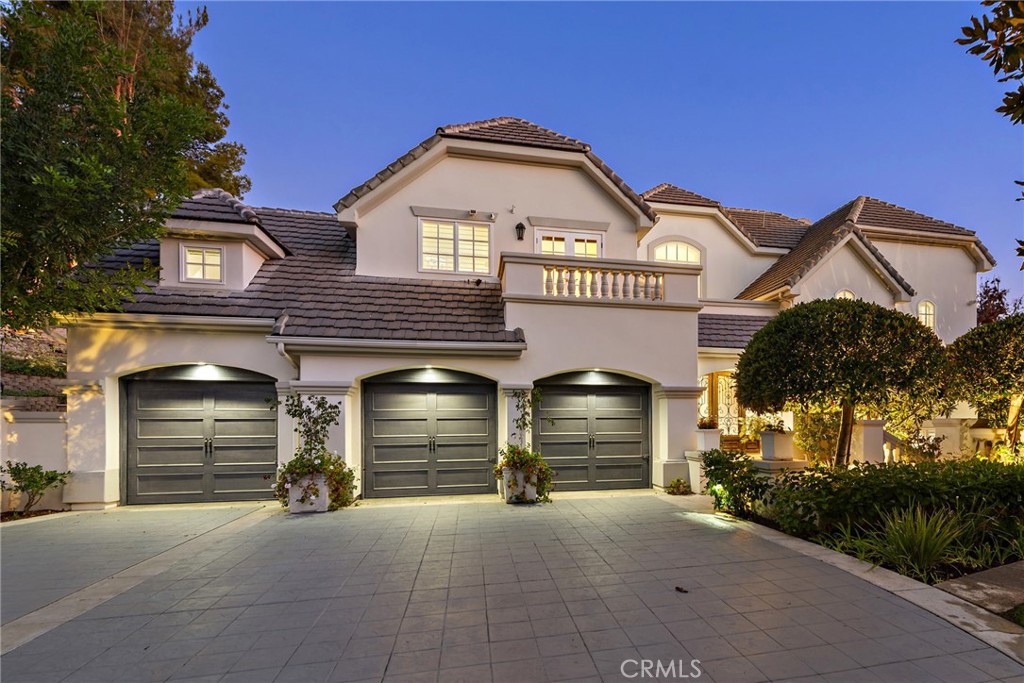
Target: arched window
column 926, row 314
column 679, row 252
column 845, row 294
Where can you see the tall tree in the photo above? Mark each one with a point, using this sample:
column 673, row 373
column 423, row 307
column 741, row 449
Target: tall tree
column 988, row 372
column 105, row 116
column 837, row 352
column 994, row 303
column 999, row 40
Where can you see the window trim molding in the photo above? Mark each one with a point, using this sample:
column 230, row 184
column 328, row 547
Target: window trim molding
column 702, row 281
column 538, row 234
column 455, row 255
column 568, row 224
column 183, row 264
column 933, row 313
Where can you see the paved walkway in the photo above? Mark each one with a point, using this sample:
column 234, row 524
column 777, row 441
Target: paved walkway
column 477, row 592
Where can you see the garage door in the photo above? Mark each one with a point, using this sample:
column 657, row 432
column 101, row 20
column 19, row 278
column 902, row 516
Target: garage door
column 424, row 439
column 600, row 438
column 199, row 441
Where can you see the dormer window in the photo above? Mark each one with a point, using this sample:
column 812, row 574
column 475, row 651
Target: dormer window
column 202, row 264
column 677, row 252
column 455, row 247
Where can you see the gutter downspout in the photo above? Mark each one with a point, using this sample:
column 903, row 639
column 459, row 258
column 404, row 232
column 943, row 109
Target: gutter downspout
column 279, row 330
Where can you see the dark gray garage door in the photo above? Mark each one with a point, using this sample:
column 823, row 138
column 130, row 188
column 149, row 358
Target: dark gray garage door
column 423, row 439
column 600, row 438
column 199, row 441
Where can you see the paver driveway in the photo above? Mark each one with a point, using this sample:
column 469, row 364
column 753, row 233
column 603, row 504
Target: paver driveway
column 480, row 592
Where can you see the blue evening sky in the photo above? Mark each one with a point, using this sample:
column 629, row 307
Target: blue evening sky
column 795, row 107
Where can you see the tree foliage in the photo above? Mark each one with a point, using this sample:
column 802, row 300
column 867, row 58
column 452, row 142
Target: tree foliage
column 988, row 371
column 108, row 124
column 999, row 40
column 838, row 352
column 994, row 303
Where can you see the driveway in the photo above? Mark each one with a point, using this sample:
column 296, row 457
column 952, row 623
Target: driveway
column 586, row 588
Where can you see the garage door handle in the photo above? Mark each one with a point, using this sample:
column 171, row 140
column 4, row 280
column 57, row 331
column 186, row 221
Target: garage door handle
column 208, row 448
column 593, row 441
column 432, row 444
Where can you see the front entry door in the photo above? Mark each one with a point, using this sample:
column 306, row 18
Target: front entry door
column 193, row 441
column 599, row 439
column 429, row 439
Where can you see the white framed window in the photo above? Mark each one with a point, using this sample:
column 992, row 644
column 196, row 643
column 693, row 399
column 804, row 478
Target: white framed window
column 202, row 264
column 569, row 243
column 926, row 314
column 845, row 294
column 677, row 252
column 455, row 247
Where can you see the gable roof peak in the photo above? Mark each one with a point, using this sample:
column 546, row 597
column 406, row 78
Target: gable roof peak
column 515, row 131
column 673, row 194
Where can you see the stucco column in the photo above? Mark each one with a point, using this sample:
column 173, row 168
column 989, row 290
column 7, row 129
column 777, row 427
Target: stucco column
column 868, row 441
column 509, row 414
column 950, row 429
column 340, row 436
column 674, row 432
column 95, row 481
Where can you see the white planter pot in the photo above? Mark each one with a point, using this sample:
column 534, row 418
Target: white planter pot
column 777, row 445
column 318, row 504
column 709, row 439
column 519, row 485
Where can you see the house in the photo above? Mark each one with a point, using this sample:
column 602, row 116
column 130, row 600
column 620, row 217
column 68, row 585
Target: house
column 492, row 257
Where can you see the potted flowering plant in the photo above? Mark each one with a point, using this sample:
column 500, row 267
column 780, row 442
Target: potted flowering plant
column 709, row 436
column 315, row 479
column 523, row 474
column 776, row 442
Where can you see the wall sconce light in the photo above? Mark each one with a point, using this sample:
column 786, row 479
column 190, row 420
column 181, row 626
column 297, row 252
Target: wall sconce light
column 520, row 231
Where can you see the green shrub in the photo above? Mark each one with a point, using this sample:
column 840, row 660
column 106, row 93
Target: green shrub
column 40, row 367
column 734, row 482
column 917, row 543
column 678, row 487
column 32, row 481
column 314, row 416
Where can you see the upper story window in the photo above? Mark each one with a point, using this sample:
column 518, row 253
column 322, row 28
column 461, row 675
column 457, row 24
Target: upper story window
column 677, row 252
column 845, row 294
column 202, row 264
column 569, row 243
column 926, row 314
column 455, row 247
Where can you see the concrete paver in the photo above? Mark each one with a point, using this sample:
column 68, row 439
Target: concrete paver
column 488, row 592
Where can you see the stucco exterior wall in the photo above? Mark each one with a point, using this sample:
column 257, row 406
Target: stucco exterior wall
column 729, row 266
column 844, row 269
column 946, row 276
column 388, row 233
column 38, row 438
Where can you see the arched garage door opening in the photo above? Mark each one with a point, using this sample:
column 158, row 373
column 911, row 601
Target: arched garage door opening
column 428, row 432
column 198, row 434
column 594, row 429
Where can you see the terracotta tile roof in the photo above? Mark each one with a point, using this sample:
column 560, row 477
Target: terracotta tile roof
column 817, row 242
column 506, row 130
column 727, row 331
column 317, row 288
column 879, row 214
column 668, row 193
column 769, row 228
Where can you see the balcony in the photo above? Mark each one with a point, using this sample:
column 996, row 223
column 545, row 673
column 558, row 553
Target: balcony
column 534, row 278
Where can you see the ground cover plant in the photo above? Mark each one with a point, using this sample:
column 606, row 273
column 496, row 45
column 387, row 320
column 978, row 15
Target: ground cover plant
column 930, row 520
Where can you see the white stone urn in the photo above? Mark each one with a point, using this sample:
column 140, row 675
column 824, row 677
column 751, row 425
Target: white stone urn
column 319, row 504
column 709, row 439
column 521, row 485
column 777, row 445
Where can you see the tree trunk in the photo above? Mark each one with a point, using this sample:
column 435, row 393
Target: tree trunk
column 845, row 436
column 1013, row 420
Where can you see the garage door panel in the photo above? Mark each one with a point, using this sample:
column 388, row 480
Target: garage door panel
column 620, row 474
column 398, row 453
column 394, row 400
column 619, row 425
column 619, row 449
column 149, row 456
column 565, row 449
column 463, row 402
column 551, row 401
column 398, row 427
column 452, row 426
column 408, row 482
column 245, row 454
column 462, row 478
column 247, row 399
column 244, row 428
column 170, row 483
column 569, row 475
column 619, row 402
column 241, row 482
column 169, row 428
column 173, row 398
column 462, row 451
column 562, row 425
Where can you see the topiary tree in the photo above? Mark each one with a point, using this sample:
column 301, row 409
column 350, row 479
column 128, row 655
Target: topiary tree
column 837, row 352
column 988, row 371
